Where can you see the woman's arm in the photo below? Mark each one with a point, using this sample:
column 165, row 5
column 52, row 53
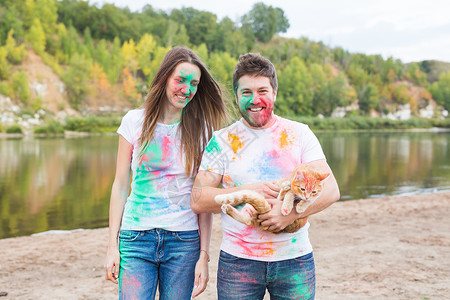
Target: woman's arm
column 119, row 194
column 201, row 268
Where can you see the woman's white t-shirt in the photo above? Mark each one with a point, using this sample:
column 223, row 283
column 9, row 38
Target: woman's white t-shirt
column 160, row 190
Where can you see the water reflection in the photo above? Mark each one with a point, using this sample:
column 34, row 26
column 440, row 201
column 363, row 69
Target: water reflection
column 55, row 183
column 376, row 164
column 65, row 183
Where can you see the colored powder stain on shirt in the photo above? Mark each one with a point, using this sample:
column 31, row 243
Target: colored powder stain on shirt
column 227, row 181
column 235, row 142
column 264, row 249
column 213, row 146
column 284, row 139
column 165, row 147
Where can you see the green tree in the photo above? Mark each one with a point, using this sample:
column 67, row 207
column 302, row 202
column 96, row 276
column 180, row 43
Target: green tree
column 441, row 90
column 266, row 21
column 36, row 37
column 10, row 19
column 295, row 93
column 368, row 97
column 176, row 35
column 46, row 12
column 75, row 77
column 4, row 67
column 19, row 84
column 16, row 54
column 222, row 66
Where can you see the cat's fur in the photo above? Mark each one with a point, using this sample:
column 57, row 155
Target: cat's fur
column 303, row 186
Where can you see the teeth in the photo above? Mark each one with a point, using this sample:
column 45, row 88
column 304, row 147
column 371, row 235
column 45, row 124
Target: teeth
column 256, row 109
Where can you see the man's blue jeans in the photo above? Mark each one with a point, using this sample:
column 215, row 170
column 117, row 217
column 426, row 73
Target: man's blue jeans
column 160, row 258
column 239, row 278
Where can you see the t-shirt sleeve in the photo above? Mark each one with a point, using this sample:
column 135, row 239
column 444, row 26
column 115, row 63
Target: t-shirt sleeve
column 213, row 157
column 311, row 149
column 126, row 127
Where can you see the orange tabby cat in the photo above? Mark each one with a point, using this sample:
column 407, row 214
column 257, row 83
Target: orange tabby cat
column 304, row 185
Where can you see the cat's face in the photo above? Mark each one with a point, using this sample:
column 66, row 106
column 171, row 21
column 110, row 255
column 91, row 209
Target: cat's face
column 308, row 185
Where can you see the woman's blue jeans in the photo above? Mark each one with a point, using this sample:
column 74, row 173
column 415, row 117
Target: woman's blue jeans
column 240, row 278
column 157, row 258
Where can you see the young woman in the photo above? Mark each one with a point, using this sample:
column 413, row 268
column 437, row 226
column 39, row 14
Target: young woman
column 155, row 240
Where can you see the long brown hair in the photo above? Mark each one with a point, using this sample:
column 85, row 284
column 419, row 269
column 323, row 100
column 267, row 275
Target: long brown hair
column 204, row 113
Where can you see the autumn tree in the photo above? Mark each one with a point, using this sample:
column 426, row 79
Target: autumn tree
column 144, row 53
column 129, row 84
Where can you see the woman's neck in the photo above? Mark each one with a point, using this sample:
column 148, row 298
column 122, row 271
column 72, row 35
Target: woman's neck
column 170, row 116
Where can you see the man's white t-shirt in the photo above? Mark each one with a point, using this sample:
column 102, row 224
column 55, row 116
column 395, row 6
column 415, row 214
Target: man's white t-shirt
column 242, row 156
column 160, row 190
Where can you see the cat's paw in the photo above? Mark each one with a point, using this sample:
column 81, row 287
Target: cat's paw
column 226, row 208
column 300, row 208
column 286, row 185
column 285, row 211
column 223, row 199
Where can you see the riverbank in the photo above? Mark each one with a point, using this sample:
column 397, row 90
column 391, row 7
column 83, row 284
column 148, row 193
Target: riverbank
column 389, row 247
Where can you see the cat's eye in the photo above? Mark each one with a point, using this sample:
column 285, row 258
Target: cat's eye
column 303, row 189
column 314, row 192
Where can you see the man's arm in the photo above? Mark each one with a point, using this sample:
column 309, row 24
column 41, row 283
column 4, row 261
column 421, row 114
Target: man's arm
column 206, row 188
column 330, row 194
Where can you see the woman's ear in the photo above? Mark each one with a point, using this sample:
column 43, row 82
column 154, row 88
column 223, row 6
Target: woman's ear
column 275, row 95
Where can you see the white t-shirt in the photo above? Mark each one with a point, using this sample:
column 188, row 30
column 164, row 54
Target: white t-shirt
column 160, row 190
column 243, row 155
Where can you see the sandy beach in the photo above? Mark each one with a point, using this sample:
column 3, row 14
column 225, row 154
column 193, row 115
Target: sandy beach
column 383, row 248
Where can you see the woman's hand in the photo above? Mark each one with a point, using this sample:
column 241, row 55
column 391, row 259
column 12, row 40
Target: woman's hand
column 112, row 264
column 201, row 274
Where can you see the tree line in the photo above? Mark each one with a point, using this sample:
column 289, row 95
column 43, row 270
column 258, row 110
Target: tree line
column 113, row 53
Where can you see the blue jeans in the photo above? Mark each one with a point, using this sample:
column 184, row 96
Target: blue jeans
column 240, row 278
column 160, row 258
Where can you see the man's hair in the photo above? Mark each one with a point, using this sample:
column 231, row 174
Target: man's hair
column 254, row 64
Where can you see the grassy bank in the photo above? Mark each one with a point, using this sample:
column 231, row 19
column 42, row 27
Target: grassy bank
column 366, row 123
column 96, row 124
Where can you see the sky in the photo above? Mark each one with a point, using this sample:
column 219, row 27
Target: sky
column 410, row 30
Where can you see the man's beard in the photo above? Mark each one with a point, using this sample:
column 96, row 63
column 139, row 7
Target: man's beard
column 261, row 120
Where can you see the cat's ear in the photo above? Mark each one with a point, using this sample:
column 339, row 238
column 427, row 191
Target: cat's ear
column 299, row 175
column 323, row 176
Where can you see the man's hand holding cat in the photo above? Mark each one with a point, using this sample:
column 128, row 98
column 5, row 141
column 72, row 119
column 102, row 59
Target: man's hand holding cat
column 268, row 189
column 274, row 219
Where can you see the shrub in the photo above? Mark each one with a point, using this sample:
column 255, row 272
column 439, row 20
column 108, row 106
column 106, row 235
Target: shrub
column 93, row 124
column 14, row 129
column 51, row 128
